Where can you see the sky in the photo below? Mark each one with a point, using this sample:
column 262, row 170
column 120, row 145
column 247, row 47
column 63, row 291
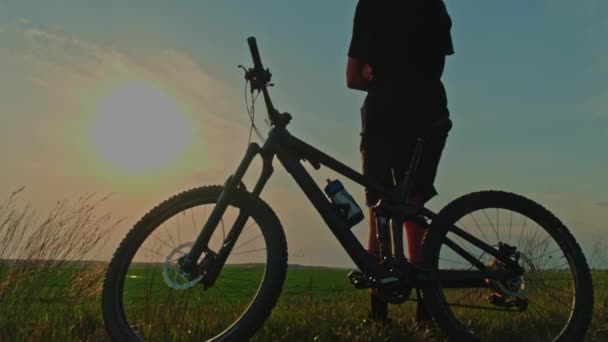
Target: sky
column 527, row 90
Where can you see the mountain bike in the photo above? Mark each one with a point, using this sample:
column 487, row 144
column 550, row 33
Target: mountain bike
column 210, row 262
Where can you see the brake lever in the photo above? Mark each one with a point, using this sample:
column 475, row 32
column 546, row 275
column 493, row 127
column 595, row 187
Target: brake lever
column 258, row 78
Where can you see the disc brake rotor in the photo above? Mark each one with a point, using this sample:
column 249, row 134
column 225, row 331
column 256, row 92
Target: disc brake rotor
column 515, row 287
column 511, row 292
column 173, row 276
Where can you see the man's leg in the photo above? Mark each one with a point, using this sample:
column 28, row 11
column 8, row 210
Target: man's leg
column 415, row 233
column 425, row 178
column 376, row 166
column 379, row 308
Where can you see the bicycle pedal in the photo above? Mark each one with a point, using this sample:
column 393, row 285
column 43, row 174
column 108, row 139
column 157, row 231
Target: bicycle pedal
column 360, row 280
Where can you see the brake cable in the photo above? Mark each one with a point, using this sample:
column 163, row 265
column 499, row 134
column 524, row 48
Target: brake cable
column 251, row 113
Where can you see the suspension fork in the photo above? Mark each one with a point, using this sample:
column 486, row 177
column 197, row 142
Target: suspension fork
column 188, row 262
column 240, row 221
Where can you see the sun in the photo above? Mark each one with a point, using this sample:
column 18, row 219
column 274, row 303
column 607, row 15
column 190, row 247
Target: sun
column 139, row 128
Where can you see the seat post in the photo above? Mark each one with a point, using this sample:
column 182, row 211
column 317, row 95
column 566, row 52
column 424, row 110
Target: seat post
column 404, row 188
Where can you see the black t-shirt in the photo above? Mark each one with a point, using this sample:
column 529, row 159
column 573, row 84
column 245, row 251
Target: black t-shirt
column 405, row 42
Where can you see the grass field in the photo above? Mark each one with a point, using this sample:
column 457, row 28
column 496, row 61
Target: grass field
column 316, row 304
column 48, row 294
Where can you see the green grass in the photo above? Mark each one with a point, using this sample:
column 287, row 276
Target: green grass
column 48, row 294
column 316, row 304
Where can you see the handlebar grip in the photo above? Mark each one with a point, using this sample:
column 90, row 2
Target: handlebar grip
column 255, row 53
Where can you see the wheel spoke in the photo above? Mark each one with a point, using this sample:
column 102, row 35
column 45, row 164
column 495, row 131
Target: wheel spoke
column 194, row 234
column 248, row 241
column 549, row 253
column 153, row 251
column 491, row 225
column 479, row 228
column 540, row 243
column 179, row 238
column 510, row 224
column 250, row 251
column 169, row 236
column 456, row 261
column 523, row 227
column 497, row 225
column 164, row 243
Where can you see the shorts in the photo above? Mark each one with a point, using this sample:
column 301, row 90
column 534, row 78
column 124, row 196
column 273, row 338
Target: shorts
column 385, row 160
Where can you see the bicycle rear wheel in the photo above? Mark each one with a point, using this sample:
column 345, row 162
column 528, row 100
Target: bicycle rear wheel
column 146, row 297
column 552, row 300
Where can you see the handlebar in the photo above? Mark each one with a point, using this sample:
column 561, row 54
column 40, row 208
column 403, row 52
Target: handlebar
column 255, row 53
column 260, row 78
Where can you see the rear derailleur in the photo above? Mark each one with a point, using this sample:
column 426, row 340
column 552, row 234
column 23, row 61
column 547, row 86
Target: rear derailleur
column 508, row 293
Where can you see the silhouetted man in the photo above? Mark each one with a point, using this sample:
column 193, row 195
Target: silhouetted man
column 397, row 55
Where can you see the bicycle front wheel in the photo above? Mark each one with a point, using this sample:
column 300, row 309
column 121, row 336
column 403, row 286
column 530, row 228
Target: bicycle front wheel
column 146, row 297
column 551, row 301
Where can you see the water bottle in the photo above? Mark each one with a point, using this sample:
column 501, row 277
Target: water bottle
column 343, row 202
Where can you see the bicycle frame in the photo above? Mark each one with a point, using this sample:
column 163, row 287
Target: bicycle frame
column 290, row 151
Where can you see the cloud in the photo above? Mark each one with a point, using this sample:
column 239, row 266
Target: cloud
column 52, row 58
column 24, row 21
column 64, row 76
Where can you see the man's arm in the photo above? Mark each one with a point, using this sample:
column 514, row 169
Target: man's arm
column 354, row 74
column 358, row 72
